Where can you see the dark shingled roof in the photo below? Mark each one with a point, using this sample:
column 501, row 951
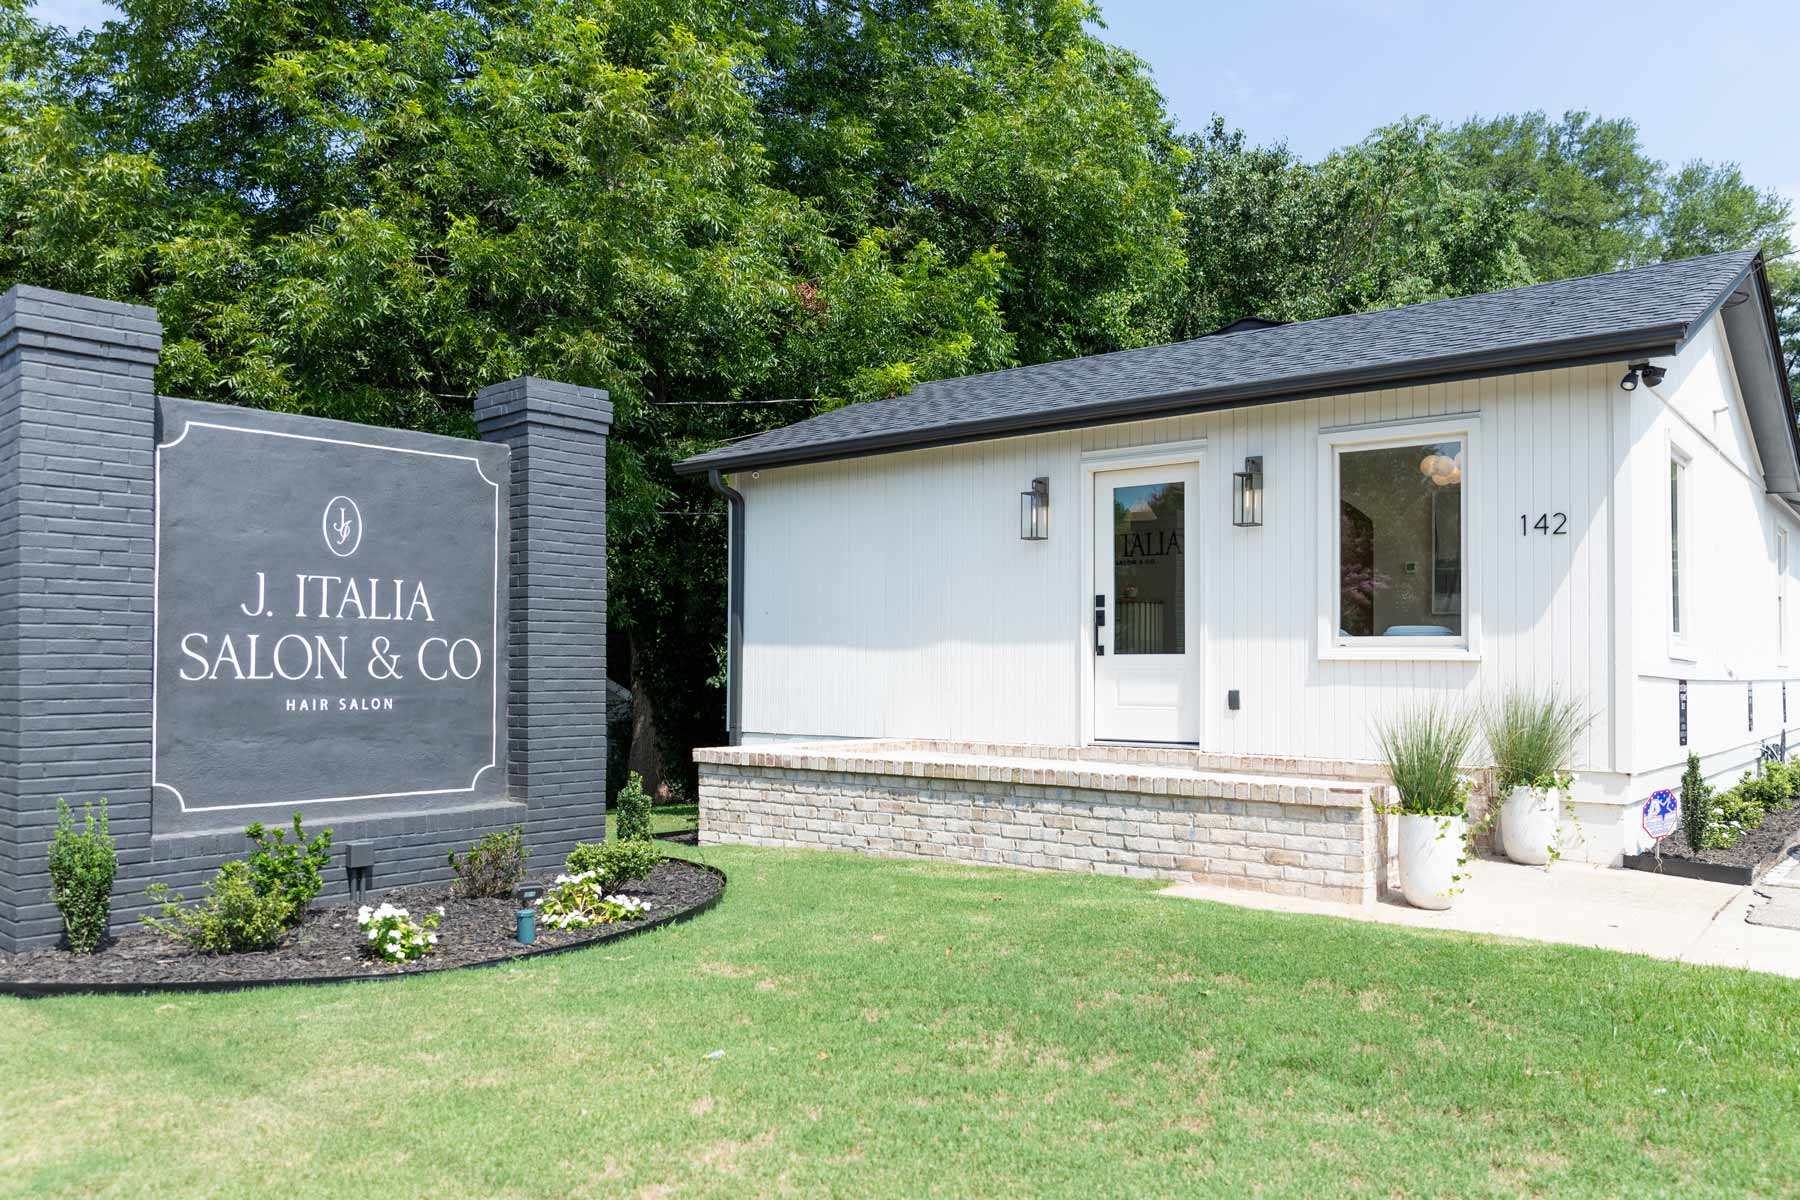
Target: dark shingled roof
column 1639, row 313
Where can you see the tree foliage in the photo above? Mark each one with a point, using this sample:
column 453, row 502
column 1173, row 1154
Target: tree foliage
column 978, row 124
column 1384, row 222
column 732, row 215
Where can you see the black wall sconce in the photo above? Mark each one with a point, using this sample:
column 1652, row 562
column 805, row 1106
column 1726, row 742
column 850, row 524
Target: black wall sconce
column 1247, row 493
column 1034, row 511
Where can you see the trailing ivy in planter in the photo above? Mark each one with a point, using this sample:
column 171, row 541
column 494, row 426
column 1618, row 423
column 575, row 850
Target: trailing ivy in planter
column 1424, row 750
column 1532, row 737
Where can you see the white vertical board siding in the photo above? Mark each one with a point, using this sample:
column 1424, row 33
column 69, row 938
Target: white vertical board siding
column 891, row 596
column 1730, row 640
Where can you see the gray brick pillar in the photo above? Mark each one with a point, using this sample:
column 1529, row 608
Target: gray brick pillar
column 77, row 552
column 557, row 631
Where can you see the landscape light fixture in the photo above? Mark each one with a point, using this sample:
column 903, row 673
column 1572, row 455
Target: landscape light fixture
column 1247, row 494
column 1034, row 511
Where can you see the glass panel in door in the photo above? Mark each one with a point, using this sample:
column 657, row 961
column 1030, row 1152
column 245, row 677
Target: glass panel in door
column 1150, row 568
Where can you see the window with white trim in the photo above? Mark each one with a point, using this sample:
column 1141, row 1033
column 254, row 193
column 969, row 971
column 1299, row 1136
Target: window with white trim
column 1397, row 570
column 1781, row 574
column 1678, row 556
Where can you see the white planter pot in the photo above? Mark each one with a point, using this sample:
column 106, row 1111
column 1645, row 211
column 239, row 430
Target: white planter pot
column 1528, row 824
column 1430, row 848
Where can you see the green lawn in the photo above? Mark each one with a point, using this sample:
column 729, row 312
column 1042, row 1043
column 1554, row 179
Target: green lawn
column 900, row 1029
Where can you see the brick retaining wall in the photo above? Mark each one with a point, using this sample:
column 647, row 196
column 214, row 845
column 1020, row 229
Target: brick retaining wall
column 1272, row 833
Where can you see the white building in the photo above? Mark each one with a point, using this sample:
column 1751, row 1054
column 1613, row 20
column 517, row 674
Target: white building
column 1591, row 483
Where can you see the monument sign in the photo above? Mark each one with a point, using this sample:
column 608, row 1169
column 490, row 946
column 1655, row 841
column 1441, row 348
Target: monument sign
column 219, row 615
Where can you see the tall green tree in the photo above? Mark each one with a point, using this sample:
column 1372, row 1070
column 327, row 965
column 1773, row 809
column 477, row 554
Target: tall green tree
column 1589, row 194
column 978, row 124
column 1711, row 207
column 368, row 212
column 1380, row 223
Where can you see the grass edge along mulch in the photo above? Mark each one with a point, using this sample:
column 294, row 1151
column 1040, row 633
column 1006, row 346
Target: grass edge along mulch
column 851, row 1025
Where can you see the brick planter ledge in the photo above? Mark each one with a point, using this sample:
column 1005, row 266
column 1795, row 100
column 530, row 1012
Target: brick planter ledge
column 1268, row 825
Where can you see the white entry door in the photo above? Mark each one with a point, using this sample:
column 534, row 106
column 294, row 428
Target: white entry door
column 1146, row 580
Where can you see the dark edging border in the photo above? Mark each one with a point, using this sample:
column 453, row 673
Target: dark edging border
column 1690, row 868
column 39, row 991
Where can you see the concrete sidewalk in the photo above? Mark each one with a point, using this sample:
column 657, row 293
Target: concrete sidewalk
column 1686, row 920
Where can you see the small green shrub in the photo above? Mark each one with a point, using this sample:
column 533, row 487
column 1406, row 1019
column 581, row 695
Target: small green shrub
column 287, row 869
column 492, row 865
column 631, row 816
column 1763, row 790
column 235, row 917
column 1696, row 804
column 1734, row 813
column 250, row 904
column 615, row 862
column 1780, row 780
column 1423, row 749
column 83, row 865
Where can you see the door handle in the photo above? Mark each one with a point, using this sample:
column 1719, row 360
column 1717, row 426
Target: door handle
column 1099, row 624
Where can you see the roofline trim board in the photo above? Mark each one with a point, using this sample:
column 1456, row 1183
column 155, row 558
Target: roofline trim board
column 1654, row 343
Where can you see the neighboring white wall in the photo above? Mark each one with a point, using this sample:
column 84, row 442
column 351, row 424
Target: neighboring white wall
column 891, row 596
column 1730, row 640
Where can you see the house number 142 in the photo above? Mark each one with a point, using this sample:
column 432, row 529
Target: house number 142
column 1547, row 523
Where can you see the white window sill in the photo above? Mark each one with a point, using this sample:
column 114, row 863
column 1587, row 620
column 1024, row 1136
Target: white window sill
column 1682, row 652
column 1373, row 651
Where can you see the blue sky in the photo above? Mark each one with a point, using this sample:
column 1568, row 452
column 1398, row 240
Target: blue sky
column 1702, row 81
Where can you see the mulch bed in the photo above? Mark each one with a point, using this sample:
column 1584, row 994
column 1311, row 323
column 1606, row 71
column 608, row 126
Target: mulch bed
column 1740, row 863
column 329, row 947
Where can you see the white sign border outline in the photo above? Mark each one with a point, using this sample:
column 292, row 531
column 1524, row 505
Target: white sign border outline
column 188, row 427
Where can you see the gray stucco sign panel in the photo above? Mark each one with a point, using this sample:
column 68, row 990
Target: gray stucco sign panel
column 330, row 618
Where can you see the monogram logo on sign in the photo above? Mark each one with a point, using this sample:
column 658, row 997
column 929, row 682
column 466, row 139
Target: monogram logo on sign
column 343, row 526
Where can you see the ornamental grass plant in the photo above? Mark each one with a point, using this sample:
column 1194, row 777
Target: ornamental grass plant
column 1424, row 748
column 1531, row 735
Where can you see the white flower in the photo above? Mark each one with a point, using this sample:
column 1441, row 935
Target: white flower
column 431, row 938
column 440, row 910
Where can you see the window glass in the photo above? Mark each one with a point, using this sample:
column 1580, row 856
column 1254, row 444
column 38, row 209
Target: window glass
column 1150, row 568
column 1674, row 546
column 1781, row 569
column 1400, row 542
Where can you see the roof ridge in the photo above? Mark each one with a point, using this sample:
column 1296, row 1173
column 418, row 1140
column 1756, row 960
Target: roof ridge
column 1285, row 329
